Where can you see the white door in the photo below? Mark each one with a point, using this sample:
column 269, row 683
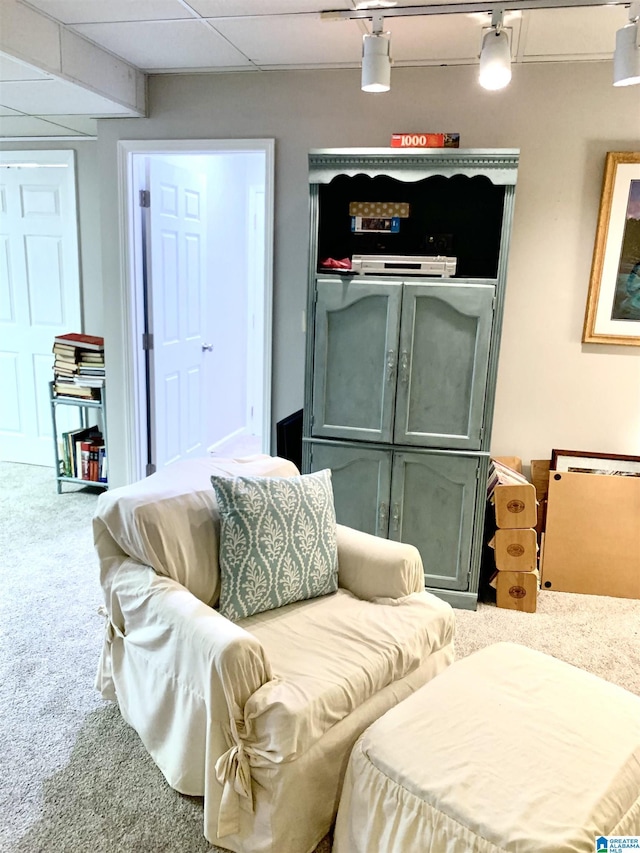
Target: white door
column 177, row 311
column 39, row 295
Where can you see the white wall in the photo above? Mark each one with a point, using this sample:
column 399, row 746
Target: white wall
column 552, row 390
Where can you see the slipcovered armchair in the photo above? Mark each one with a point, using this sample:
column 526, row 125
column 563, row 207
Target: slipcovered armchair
column 257, row 716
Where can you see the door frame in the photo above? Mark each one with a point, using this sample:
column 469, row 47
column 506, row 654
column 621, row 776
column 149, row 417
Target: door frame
column 134, row 390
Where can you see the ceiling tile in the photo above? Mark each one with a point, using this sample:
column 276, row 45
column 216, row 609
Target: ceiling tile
column 584, row 32
column 94, row 11
column 56, row 97
column 295, row 39
column 13, row 69
column 158, row 45
column 436, row 38
column 237, row 8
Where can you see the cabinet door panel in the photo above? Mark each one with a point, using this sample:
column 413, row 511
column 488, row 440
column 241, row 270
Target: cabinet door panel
column 361, row 479
column 444, row 356
column 432, row 507
column 356, row 341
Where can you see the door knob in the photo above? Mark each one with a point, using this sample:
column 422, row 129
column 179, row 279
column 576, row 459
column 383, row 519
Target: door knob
column 207, row 347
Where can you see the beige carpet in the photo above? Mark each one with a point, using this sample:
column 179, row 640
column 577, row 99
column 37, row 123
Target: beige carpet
column 74, row 777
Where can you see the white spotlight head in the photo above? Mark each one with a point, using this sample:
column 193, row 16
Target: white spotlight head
column 376, row 62
column 495, row 60
column 626, row 59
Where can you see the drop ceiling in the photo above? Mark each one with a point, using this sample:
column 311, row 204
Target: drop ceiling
column 63, row 63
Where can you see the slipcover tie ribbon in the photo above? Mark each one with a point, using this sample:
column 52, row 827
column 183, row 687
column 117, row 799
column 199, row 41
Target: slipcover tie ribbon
column 110, row 630
column 233, row 772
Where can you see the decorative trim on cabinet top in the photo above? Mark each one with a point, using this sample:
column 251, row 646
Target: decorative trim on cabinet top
column 499, row 165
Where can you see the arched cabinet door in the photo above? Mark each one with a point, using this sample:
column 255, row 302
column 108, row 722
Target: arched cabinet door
column 432, row 507
column 442, row 364
column 355, row 359
column 361, row 478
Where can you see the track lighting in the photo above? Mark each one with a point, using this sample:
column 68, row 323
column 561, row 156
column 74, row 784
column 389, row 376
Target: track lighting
column 495, row 56
column 626, row 59
column 376, row 58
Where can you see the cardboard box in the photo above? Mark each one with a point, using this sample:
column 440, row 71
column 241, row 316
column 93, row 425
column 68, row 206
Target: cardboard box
column 517, row 591
column 516, row 549
column 540, row 477
column 515, row 506
column 592, row 537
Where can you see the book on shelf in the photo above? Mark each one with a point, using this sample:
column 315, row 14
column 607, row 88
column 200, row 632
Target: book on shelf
column 81, row 341
column 102, row 464
column 71, row 389
column 89, row 381
column 64, row 350
column 96, row 451
column 76, row 449
column 93, row 369
column 65, row 372
column 91, row 357
column 63, row 358
column 83, row 458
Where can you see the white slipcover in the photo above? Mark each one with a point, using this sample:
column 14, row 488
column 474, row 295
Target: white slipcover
column 258, row 717
column 509, row 751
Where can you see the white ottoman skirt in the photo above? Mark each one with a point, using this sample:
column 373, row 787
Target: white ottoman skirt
column 507, row 751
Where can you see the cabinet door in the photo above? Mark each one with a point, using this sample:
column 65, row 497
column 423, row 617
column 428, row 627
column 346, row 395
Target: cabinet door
column 361, row 479
column 432, row 507
column 356, row 342
column 444, row 356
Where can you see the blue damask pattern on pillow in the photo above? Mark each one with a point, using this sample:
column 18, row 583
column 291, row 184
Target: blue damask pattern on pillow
column 277, row 541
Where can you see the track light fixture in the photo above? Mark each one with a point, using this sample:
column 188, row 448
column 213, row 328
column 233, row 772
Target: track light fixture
column 626, row 59
column 376, row 58
column 495, row 56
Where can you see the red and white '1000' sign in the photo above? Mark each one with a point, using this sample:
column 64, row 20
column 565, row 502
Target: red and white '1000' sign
column 424, row 140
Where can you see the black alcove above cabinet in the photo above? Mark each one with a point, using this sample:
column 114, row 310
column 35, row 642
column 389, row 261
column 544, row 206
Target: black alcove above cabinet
column 459, row 216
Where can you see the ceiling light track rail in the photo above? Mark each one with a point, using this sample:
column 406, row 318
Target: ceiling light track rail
column 468, row 8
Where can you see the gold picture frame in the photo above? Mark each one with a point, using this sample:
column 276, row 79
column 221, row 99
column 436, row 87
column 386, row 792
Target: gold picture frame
column 613, row 304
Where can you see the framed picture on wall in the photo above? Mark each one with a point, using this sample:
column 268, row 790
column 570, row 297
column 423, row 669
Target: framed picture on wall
column 613, row 303
column 587, row 462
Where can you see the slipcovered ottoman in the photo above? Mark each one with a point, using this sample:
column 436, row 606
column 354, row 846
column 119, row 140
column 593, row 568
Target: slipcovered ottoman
column 506, row 750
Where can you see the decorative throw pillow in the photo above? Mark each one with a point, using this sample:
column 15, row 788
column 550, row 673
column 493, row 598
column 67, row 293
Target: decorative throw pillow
column 277, row 541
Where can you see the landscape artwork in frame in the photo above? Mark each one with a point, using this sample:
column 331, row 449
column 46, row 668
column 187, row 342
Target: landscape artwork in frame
column 586, row 462
column 613, row 304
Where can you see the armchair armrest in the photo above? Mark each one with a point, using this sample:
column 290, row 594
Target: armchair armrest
column 371, row 567
column 182, row 675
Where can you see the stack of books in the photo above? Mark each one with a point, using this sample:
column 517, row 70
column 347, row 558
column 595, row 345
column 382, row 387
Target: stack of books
column 78, row 369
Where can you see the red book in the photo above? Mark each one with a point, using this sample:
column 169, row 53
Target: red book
column 85, row 457
column 92, row 342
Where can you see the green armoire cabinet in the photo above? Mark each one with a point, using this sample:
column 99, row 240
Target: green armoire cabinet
column 401, row 367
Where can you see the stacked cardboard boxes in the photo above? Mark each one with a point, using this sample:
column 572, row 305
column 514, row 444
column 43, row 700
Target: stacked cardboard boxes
column 516, row 546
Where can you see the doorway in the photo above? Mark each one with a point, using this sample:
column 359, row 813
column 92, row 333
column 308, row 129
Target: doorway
column 200, row 226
